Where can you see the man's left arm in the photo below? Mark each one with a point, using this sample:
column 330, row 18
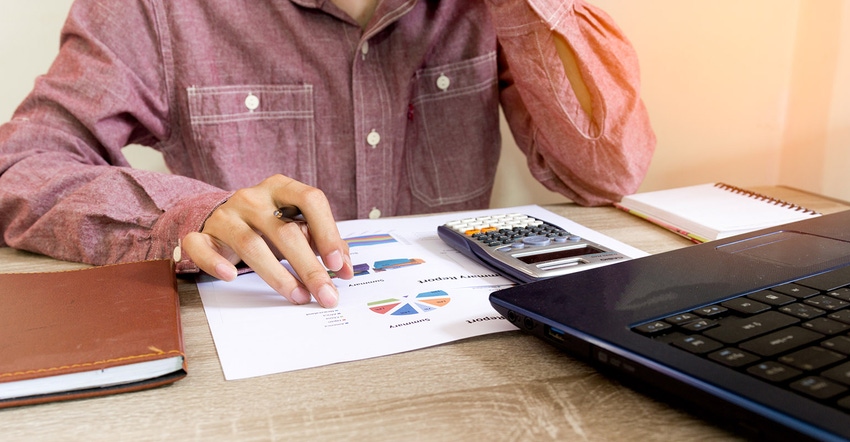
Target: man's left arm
column 570, row 89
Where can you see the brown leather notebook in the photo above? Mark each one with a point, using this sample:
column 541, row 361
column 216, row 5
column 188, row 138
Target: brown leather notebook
column 90, row 332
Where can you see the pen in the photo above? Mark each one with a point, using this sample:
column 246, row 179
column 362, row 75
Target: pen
column 289, row 214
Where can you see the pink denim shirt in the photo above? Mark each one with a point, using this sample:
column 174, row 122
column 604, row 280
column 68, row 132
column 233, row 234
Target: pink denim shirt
column 400, row 117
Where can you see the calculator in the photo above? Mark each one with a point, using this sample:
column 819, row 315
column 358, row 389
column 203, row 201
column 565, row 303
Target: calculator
column 524, row 248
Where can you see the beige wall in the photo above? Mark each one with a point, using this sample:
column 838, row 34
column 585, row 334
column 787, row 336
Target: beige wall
column 752, row 92
column 816, row 142
column 29, row 39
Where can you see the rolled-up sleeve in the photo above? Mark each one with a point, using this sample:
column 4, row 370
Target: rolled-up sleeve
column 592, row 159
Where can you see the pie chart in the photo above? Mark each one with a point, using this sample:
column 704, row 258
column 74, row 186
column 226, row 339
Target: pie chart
column 411, row 305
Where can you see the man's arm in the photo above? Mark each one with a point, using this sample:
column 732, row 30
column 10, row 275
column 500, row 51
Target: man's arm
column 570, row 86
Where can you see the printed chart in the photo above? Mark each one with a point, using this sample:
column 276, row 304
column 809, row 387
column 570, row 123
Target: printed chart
column 421, row 303
column 370, row 240
column 411, row 290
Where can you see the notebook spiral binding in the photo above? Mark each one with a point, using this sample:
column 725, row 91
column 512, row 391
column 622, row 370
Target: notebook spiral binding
column 759, row 196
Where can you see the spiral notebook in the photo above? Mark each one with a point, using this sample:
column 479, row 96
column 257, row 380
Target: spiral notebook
column 712, row 211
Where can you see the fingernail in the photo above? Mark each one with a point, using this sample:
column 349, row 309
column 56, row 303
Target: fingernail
column 334, row 261
column 225, row 272
column 347, row 259
column 300, row 296
column 328, row 296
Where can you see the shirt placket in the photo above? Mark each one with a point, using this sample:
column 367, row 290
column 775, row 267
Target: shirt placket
column 374, row 135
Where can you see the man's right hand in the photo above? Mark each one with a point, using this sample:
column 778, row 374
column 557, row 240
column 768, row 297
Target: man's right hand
column 245, row 229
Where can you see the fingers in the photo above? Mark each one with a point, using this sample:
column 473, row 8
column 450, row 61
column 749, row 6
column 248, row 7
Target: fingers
column 291, row 240
column 322, row 226
column 245, row 228
column 206, row 254
column 257, row 255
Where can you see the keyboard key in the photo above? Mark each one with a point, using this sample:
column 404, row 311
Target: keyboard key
column 781, row 341
column 772, row 298
column 840, row 344
column 825, row 326
column 732, row 330
column 745, row 305
column 653, row 328
column 843, row 316
column 700, row 325
column 811, row 358
column 827, row 302
column 774, row 371
column 712, row 311
column 840, row 373
column 796, row 290
column 681, row 318
column 697, row 344
column 818, row 388
column 802, row 310
column 733, row 357
column 842, row 294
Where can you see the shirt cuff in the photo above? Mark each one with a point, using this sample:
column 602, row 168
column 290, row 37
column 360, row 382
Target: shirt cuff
column 188, row 215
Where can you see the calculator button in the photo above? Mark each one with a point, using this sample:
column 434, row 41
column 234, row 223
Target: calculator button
column 536, row 240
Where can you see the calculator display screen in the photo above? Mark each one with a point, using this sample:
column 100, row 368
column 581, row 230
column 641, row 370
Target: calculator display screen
column 557, row 254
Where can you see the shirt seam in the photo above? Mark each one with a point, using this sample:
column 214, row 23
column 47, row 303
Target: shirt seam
column 166, row 52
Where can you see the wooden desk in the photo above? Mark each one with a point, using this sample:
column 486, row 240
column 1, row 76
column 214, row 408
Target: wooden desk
column 507, row 386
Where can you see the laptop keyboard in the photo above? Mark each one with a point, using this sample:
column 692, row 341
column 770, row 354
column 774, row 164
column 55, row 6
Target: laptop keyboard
column 794, row 335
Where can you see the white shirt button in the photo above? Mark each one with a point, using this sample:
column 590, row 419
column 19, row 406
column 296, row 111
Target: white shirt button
column 443, row 82
column 364, row 48
column 252, row 102
column 374, row 213
column 373, row 138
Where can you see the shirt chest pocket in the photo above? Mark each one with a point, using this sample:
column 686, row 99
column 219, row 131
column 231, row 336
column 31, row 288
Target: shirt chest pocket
column 246, row 133
column 453, row 146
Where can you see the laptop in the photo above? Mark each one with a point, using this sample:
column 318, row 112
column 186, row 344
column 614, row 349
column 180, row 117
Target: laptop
column 753, row 330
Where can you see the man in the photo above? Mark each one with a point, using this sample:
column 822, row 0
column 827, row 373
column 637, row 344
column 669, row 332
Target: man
column 341, row 108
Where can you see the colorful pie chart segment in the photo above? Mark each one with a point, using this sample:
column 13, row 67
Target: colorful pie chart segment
column 421, row 303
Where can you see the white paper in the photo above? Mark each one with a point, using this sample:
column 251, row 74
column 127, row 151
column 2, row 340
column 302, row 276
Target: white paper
column 432, row 295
